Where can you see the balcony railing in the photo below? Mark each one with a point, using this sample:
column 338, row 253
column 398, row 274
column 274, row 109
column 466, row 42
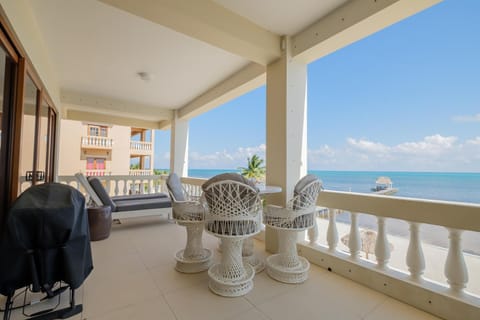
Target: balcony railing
column 140, row 147
column 96, row 142
column 140, row 172
column 449, row 300
column 123, row 185
column 97, row 172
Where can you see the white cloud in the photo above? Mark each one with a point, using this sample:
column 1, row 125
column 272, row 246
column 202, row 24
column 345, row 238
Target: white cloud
column 468, row 118
column 430, row 145
column 366, row 145
column 225, row 159
column 432, row 153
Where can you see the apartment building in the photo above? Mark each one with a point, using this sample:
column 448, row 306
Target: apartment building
column 99, row 149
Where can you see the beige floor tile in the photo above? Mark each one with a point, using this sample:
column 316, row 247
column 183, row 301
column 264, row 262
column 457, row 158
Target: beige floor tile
column 252, row 314
column 199, row 303
column 105, row 295
column 394, row 310
column 117, row 267
column 329, row 296
column 265, row 288
column 152, row 308
column 169, row 280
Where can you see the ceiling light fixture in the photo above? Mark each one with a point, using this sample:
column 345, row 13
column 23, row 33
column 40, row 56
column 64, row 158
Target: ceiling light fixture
column 145, row 76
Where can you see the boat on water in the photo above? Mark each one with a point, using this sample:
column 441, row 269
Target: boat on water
column 384, row 186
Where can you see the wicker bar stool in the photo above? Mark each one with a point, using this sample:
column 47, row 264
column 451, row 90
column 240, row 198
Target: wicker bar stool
column 190, row 213
column 286, row 266
column 234, row 213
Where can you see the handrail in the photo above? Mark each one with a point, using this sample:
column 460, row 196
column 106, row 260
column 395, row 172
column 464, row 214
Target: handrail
column 457, row 215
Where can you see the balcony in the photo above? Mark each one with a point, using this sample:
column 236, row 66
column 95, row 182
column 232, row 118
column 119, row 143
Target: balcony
column 140, row 172
column 134, row 278
column 96, row 142
column 141, row 148
column 440, row 280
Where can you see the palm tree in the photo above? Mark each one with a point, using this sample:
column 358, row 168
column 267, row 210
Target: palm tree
column 255, row 170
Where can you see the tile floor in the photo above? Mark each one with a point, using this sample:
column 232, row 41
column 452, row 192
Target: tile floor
column 134, row 278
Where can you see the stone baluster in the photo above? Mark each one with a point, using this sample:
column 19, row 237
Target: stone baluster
column 354, row 241
column 313, row 231
column 382, row 248
column 150, row 182
column 455, row 268
column 116, row 190
column 415, row 258
column 332, row 232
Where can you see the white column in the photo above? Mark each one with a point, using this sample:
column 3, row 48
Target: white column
column 179, row 146
column 152, row 152
column 286, row 155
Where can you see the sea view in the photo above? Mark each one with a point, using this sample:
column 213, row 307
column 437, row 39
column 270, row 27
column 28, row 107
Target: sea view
column 448, row 186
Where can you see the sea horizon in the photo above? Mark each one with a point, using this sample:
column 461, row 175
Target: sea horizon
column 433, row 185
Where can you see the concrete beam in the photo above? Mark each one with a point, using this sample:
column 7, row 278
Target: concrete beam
column 243, row 81
column 351, row 22
column 209, row 22
column 110, row 119
column 72, row 100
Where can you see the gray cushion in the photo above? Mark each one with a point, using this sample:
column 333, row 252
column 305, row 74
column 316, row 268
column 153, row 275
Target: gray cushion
column 142, row 204
column 140, row 196
column 101, row 192
column 175, row 186
column 302, row 183
column 228, row 176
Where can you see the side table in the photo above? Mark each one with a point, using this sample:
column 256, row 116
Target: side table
column 100, row 222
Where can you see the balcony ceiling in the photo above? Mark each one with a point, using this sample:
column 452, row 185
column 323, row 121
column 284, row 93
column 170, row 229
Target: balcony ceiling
column 97, row 49
column 199, row 53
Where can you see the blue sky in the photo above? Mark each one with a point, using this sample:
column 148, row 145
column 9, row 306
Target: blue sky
column 404, row 99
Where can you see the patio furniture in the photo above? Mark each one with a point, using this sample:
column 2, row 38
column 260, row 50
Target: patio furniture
column 234, row 213
column 100, row 222
column 190, row 213
column 126, row 206
column 299, row 215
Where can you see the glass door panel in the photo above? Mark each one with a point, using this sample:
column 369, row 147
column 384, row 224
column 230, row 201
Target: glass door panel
column 27, row 146
column 43, row 144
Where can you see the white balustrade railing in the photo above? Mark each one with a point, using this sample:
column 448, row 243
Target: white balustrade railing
column 97, row 172
column 455, row 217
column 141, row 172
column 124, row 185
column 97, row 142
column 141, row 146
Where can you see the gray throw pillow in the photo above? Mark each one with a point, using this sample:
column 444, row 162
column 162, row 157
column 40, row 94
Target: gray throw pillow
column 228, row 176
column 101, row 192
column 302, row 183
column 175, row 186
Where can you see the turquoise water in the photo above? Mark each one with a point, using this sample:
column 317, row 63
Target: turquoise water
column 462, row 187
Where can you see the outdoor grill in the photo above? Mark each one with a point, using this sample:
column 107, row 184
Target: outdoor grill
column 46, row 243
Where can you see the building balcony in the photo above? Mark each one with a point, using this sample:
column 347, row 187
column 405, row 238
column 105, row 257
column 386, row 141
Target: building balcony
column 96, row 142
column 140, row 172
column 141, row 148
column 97, row 172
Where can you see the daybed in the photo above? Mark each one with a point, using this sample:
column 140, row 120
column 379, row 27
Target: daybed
column 126, row 206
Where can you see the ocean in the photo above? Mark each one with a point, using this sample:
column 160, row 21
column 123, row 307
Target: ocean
column 448, row 186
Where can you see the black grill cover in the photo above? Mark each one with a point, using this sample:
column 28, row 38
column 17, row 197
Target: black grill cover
column 46, row 239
